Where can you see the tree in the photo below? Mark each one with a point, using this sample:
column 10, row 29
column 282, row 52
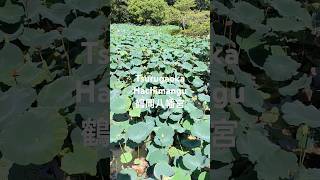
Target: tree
column 184, row 6
column 119, row 11
column 147, row 11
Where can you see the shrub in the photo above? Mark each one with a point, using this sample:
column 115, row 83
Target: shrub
column 172, row 16
column 147, row 11
column 198, row 23
column 119, row 13
column 184, row 5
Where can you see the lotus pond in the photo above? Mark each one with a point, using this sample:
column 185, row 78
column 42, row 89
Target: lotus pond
column 159, row 143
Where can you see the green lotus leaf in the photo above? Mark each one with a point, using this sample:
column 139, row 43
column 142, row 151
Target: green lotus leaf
column 277, row 164
column 157, row 156
column 253, row 98
column 125, row 157
column 15, row 101
column 163, row 169
column 222, row 155
column 250, row 42
column 294, row 87
column 244, row 12
column 120, row 104
column 296, row 113
column 81, row 160
column 56, row 13
column 29, row 74
column 96, row 109
column 127, row 174
column 39, row 146
column 164, row 136
column 197, row 82
column 32, row 9
column 294, row 9
column 247, row 145
column 11, row 13
column 193, row 162
column 88, row 71
column 222, row 173
column 58, row 94
column 220, row 8
column 115, row 83
column 285, row 24
column 87, row 28
column 201, row 130
column 310, row 174
column 174, row 152
column 175, row 117
column 38, row 38
column 76, row 136
column 11, row 57
column 222, row 40
column 204, row 176
column 116, row 133
column 204, row 98
column 271, row 116
column 135, row 112
column 194, row 112
column 246, row 118
column 280, row 68
column 138, row 132
column 180, row 174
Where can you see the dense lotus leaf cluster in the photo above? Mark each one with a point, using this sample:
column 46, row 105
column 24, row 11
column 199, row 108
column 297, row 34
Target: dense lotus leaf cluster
column 277, row 121
column 41, row 61
column 176, row 140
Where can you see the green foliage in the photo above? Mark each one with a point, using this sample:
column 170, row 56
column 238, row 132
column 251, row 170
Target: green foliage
column 198, row 23
column 41, row 59
column 119, row 12
column 275, row 119
column 191, row 15
column 161, row 132
column 173, row 16
column 184, row 5
column 146, row 11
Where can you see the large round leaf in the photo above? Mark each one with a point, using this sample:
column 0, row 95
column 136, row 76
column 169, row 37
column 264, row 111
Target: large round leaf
column 11, row 57
column 15, row 101
column 22, row 144
column 296, row 113
column 201, row 130
column 280, row 68
column 138, row 132
column 164, row 136
column 58, row 93
column 82, row 160
column 162, row 170
column 11, row 13
column 120, row 104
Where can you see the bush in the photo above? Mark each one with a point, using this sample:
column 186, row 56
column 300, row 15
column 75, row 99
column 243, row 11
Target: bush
column 198, row 23
column 172, row 16
column 147, row 11
column 119, row 13
column 184, row 5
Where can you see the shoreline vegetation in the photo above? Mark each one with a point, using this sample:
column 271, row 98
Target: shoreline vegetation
column 192, row 17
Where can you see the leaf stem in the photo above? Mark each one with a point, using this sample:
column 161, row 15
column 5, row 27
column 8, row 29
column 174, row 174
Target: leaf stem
column 67, row 55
